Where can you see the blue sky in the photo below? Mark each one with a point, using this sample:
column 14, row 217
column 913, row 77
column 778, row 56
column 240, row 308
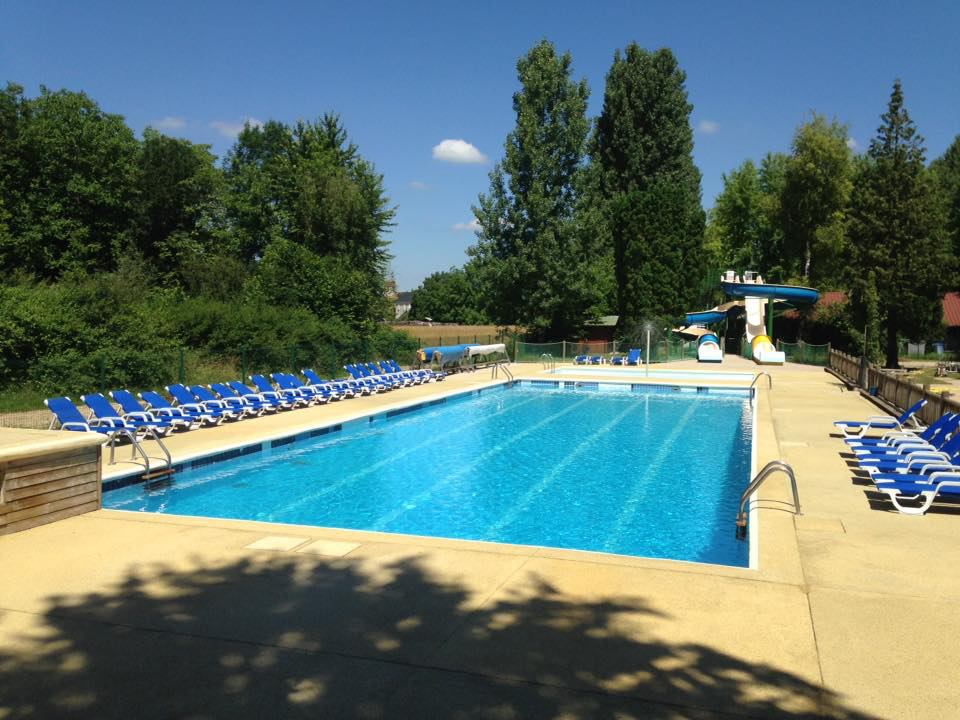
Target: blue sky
column 404, row 76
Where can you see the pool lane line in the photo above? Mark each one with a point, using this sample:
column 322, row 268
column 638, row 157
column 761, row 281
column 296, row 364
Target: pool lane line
column 370, row 469
column 640, row 487
column 510, row 515
column 412, row 504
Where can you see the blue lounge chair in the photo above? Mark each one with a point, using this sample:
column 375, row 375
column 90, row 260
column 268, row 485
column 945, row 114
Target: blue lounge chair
column 947, row 422
column 267, row 389
column 596, row 360
column 270, row 397
column 855, row 429
column 912, row 460
column 161, row 407
column 634, row 356
column 355, row 388
column 372, row 372
column 901, row 443
column 390, row 366
column 105, row 412
column 186, row 399
column 617, row 360
column 945, row 483
column 132, row 408
column 236, row 405
column 581, row 360
column 69, row 417
column 364, row 377
column 384, row 369
column 425, row 374
column 254, row 404
column 311, row 394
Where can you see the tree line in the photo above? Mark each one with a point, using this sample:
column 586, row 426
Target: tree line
column 118, row 252
column 588, row 218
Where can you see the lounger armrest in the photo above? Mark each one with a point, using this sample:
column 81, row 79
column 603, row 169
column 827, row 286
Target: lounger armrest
column 139, row 416
column 193, row 407
column 933, row 466
column 908, row 447
column 75, row 426
column 885, row 419
column 948, row 478
column 107, row 422
column 922, row 459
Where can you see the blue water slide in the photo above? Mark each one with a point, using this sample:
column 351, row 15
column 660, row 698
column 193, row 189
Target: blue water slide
column 705, row 317
column 793, row 294
column 709, row 337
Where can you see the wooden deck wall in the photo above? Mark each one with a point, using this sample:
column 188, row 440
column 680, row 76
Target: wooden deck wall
column 46, row 488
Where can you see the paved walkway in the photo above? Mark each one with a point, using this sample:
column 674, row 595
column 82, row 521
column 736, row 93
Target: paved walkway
column 851, row 612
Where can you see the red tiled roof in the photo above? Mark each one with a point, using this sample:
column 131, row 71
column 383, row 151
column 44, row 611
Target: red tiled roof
column 951, row 309
column 951, row 305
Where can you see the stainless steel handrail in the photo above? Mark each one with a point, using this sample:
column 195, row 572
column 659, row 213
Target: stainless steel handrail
column 497, row 366
column 768, row 469
column 548, row 362
column 758, row 376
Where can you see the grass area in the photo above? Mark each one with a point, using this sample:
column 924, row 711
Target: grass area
column 928, row 377
column 453, row 334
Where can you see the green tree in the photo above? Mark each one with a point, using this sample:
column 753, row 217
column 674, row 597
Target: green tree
column 529, row 255
column 642, row 147
column 896, row 242
column 308, row 184
column 738, row 217
column 180, row 187
column 814, row 198
column 70, row 183
column 946, row 174
column 447, row 297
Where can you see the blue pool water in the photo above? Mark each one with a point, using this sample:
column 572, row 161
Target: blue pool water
column 650, row 473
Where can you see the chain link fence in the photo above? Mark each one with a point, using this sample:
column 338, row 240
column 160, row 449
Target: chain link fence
column 805, row 353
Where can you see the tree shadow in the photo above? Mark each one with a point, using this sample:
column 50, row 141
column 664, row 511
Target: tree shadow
column 278, row 636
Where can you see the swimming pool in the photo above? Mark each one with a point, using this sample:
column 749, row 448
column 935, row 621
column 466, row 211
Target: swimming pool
column 648, row 472
column 627, row 373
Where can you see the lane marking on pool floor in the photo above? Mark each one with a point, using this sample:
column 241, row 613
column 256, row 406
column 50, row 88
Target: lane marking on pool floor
column 370, row 469
column 643, row 482
column 512, row 514
column 463, row 470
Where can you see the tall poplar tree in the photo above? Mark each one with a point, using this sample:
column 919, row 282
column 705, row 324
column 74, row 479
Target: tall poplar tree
column 946, row 174
column 532, row 262
column 895, row 233
column 643, row 151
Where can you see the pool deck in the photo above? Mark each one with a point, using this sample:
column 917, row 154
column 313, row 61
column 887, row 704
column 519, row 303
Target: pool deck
column 850, row 613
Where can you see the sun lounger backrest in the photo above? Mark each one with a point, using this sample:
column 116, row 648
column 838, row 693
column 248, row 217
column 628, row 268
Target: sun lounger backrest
column 182, row 395
column 128, row 402
column 155, row 399
column 263, row 385
column 312, row 376
column 65, row 410
column 100, row 405
column 911, row 410
column 203, row 393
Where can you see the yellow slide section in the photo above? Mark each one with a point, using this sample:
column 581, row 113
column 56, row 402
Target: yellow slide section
column 764, row 353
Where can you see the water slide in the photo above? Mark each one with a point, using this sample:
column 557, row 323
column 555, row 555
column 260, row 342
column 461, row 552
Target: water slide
column 708, row 344
column 758, row 298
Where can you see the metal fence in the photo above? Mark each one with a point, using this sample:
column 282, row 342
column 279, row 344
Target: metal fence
column 566, row 351
column 895, row 390
column 805, row 353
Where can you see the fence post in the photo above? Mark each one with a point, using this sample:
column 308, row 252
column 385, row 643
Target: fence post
column 243, row 363
column 515, row 348
column 563, row 351
column 181, row 371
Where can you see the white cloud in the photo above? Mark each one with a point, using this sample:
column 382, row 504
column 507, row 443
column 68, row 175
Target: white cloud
column 231, row 130
column 169, row 123
column 852, row 144
column 417, row 185
column 458, row 151
column 472, row 225
column 708, row 127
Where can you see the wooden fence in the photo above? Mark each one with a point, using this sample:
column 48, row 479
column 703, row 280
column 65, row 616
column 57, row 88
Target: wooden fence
column 898, row 392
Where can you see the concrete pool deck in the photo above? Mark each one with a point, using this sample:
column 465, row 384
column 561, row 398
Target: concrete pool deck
column 850, row 612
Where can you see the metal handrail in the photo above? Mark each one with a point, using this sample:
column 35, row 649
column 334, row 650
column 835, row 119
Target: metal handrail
column 758, row 376
column 548, row 362
column 768, row 469
column 496, row 367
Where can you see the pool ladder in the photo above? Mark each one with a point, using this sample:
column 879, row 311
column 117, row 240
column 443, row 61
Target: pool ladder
column 760, row 375
column 768, row 469
column 496, row 368
column 548, row 362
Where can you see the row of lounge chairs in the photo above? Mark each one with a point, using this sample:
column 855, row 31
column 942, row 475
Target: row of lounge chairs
column 912, row 466
column 152, row 415
column 633, row 357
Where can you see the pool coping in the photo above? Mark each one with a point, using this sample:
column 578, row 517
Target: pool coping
column 124, row 478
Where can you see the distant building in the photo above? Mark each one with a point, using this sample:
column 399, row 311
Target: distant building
column 401, row 303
